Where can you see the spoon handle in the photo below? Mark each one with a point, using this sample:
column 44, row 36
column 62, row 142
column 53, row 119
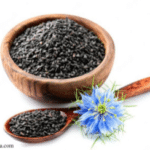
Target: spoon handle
column 135, row 88
column 132, row 89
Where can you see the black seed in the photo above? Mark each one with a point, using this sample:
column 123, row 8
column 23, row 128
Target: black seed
column 37, row 123
column 57, row 49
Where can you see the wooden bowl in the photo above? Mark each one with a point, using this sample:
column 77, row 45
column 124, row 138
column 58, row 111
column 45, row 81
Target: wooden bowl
column 55, row 90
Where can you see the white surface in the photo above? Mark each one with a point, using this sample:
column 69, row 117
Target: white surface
column 128, row 23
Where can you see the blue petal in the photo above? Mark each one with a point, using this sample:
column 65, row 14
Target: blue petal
column 86, row 120
column 87, row 101
column 119, row 110
column 110, row 95
column 86, row 115
column 102, row 126
column 95, row 93
column 117, row 121
column 90, row 121
column 116, row 112
column 103, row 95
column 109, row 123
column 82, row 111
column 115, row 104
column 81, row 106
column 114, row 123
column 94, row 126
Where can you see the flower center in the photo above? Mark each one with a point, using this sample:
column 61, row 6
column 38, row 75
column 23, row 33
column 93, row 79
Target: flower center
column 102, row 108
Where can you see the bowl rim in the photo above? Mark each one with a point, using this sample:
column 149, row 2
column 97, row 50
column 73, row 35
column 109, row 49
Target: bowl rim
column 7, row 41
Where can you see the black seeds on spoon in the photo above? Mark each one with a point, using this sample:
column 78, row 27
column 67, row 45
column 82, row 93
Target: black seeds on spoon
column 37, row 123
column 57, row 49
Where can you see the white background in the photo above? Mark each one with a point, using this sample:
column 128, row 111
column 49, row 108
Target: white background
column 128, row 22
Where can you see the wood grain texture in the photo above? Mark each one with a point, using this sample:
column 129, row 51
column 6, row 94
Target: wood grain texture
column 133, row 89
column 55, row 90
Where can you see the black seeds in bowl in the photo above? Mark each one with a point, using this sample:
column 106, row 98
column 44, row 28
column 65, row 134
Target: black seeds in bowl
column 57, row 49
column 37, row 123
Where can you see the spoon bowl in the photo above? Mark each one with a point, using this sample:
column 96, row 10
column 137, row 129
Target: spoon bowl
column 64, row 112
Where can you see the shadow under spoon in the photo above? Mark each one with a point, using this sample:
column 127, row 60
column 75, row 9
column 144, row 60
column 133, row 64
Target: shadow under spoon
column 130, row 90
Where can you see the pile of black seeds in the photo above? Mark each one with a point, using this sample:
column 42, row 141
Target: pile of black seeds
column 37, row 123
column 57, row 49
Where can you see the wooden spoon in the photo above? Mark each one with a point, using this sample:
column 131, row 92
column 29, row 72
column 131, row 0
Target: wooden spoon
column 130, row 90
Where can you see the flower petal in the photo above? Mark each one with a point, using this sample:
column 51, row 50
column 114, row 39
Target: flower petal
column 86, row 115
column 95, row 93
column 87, row 101
column 90, row 121
column 117, row 121
column 94, row 126
column 102, row 126
column 86, row 120
column 115, row 104
column 81, row 111
column 110, row 95
column 81, row 106
column 118, row 111
column 109, row 123
column 102, row 97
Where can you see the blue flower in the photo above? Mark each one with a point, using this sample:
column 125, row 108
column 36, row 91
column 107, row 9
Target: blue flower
column 100, row 112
